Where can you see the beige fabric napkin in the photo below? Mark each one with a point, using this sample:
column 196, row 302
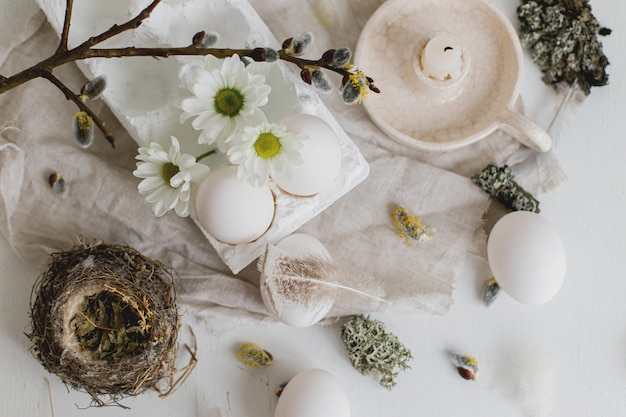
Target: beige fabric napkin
column 102, row 201
column 16, row 17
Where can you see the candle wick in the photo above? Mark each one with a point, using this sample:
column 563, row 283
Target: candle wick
column 448, row 48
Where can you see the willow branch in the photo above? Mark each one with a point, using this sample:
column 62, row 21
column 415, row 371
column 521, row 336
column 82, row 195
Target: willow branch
column 64, row 56
column 69, row 95
column 115, row 30
column 66, row 25
column 193, row 50
column 86, row 50
column 190, row 50
column 80, row 53
column 303, row 63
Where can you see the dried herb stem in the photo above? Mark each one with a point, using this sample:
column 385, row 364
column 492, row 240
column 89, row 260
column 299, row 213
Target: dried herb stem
column 80, row 313
column 50, row 396
column 179, row 376
column 562, row 105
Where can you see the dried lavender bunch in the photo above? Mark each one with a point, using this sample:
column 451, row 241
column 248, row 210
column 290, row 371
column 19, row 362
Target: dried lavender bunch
column 500, row 183
column 374, row 351
column 562, row 36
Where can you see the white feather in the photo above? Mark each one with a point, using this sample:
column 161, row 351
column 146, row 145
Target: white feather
column 306, row 287
column 529, row 379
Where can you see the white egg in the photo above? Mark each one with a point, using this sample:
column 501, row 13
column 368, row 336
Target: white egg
column 313, row 393
column 287, row 310
column 527, row 257
column 231, row 210
column 321, row 155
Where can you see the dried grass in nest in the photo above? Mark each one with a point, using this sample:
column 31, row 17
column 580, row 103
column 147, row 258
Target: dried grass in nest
column 105, row 321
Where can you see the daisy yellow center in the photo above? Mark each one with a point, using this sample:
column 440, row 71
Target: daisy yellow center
column 229, row 102
column 169, row 170
column 267, row 145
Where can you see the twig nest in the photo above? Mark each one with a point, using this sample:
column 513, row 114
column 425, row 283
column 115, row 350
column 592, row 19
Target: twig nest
column 105, row 320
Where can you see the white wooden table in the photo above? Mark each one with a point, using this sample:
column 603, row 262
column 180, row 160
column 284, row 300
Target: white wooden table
column 583, row 328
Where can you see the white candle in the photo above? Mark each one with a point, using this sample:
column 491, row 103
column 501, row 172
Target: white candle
column 442, row 58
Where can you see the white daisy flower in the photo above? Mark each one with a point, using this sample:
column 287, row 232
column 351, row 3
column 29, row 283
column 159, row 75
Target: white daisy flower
column 227, row 97
column 263, row 150
column 167, row 177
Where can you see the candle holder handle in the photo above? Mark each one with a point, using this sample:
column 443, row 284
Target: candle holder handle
column 525, row 130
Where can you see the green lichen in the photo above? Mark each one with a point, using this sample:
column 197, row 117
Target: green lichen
column 373, row 351
column 562, row 36
column 500, row 183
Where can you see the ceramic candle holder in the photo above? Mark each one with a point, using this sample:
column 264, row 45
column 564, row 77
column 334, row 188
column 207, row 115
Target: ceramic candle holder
column 426, row 112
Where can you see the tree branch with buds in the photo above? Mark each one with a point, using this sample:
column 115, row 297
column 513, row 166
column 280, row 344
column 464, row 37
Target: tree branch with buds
column 355, row 84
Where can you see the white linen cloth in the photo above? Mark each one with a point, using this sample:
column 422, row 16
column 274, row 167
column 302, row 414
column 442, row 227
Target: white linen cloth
column 103, row 202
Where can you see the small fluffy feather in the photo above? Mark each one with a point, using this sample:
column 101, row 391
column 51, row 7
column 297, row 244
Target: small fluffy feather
column 528, row 378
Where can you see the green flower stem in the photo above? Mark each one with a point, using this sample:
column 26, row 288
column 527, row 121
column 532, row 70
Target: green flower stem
column 204, row 155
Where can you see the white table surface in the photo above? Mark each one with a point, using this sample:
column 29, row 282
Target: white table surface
column 583, row 329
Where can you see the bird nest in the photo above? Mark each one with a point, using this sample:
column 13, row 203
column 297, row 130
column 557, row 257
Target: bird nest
column 105, row 321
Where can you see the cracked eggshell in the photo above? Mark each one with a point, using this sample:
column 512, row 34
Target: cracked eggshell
column 321, row 155
column 231, row 210
column 313, row 393
column 527, row 257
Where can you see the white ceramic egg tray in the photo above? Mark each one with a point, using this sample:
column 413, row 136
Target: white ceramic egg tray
column 143, row 92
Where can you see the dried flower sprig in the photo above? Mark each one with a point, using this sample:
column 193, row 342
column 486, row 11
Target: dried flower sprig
column 374, row 351
column 500, row 183
column 200, row 45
